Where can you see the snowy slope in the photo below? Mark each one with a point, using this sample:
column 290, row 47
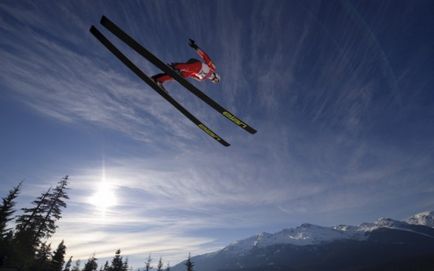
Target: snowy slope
column 424, row 219
column 308, row 234
column 308, row 242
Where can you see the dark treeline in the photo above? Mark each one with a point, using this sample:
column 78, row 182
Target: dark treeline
column 118, row 263
column 26, row 247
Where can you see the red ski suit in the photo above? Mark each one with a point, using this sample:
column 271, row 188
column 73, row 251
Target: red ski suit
column 192, row 68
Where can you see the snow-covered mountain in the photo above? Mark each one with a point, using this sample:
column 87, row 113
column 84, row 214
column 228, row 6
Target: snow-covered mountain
column 305, row 234
column 424, row 219
column 308, row 242
column 308, row 234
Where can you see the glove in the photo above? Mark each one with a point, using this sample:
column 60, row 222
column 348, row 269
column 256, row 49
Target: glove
column 193, row 44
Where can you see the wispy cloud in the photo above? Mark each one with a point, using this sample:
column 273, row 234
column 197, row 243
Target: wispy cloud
column 70, row 86
column 316, row 85
column 164, row 204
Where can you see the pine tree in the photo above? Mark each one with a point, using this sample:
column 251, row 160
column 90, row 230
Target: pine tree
column 106, row 266
column 24, row 245
column 148, row 263
column 6, row 210
column 189, row 264
column 6, row 213
column 91, row 264
column 68, row 265
column 125, row 265
column 58, row 257
column 27, row 223
column 42, row 260
column 160, row 265
column 117, row 263
column 53, row 213
column 37, row 223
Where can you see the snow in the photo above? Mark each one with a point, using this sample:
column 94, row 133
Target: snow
column 306, row 234
column 309, row 234
column 424, row 219
column 383, row 223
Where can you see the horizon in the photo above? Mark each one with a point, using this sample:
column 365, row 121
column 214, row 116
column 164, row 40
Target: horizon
column 339, row 91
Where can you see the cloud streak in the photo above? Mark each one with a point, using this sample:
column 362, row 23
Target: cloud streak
column 71, row 87
column 332, row 141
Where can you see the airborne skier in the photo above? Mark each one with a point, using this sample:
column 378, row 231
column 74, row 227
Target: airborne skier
column 192, row 68
column 180, row 71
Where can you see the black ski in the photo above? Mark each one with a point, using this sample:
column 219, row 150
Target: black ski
column 167, row 69
column 152, row 84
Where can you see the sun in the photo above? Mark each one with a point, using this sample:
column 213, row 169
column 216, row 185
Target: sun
column 104, row 196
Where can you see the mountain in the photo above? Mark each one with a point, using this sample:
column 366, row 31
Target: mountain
column 385, row 244
column 424, row 219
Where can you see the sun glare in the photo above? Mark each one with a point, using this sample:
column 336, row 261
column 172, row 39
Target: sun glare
column 104, row 196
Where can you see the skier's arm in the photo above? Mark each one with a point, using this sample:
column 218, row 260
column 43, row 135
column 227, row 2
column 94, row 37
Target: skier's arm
column 202, row 54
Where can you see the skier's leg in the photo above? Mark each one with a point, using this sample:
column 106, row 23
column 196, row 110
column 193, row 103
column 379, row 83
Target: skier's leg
column 188, row 67
column 184, row 69
column 161, row 78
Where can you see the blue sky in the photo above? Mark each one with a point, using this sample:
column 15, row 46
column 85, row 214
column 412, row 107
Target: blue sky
column 341, row 93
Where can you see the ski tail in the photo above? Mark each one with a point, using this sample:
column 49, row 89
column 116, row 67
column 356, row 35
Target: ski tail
column 117, row 31
column 115, row 51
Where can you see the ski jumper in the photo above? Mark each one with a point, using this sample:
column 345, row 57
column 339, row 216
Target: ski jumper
column 193, row 68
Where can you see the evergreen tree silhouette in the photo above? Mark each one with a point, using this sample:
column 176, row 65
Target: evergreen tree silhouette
column 68, row 265
column 6, row 210
column 106, row 266
column 91, row 264
column 6, row 213
column 148, row 263
column 58, row 257
column 117, row 263
column 37, row 223
column 125, row 265
column 189, row 264
column 160, row 265
column 42, row 260
column 24, row 243
column 54, row 212
column 27, row 224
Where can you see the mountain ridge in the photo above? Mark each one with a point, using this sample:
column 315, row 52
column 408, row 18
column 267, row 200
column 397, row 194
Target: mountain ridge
column 307, row 234
column 306, row 244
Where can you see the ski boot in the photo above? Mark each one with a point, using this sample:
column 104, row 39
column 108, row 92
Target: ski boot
column 160, row 85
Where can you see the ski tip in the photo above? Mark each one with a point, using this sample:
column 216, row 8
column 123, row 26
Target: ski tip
column 92, row 29
column 103, row 19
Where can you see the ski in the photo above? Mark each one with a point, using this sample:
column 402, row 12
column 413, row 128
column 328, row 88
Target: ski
column 98, row 35
column 112, row 27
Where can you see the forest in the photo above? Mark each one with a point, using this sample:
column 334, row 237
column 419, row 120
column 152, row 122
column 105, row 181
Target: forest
column 25, row 237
